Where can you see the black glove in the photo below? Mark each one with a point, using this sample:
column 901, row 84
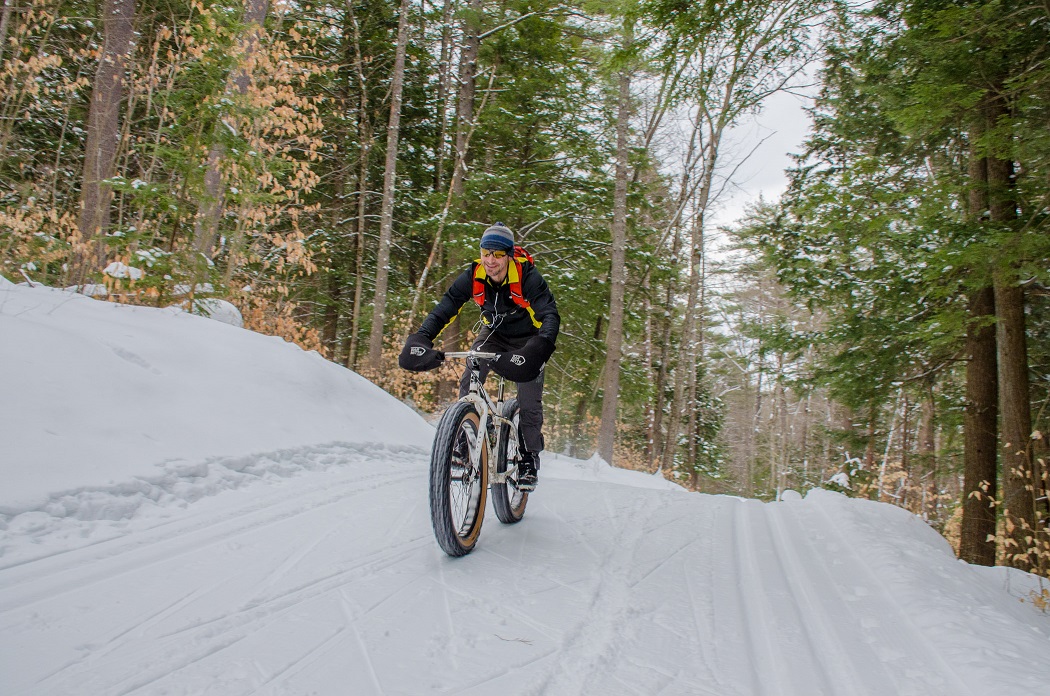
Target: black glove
column 419, row 355
column 525, row 363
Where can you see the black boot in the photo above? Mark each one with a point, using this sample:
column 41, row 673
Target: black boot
column 528, row 468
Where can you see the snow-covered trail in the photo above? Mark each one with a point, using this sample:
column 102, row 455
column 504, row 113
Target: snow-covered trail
column 327, row 580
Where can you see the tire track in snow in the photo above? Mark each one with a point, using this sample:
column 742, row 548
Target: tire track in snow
column 895, row 640
column 755, row 608
column 298, row 665
column 789, row 627
column 495, row 612
column 72, row 513
column 571, row 529
column 824, row 603
column 826, row 657
column 703, row 637
column 589, row 644
column 93, row 653
column 47, row 578
column 206, row 640
column 274, row 607
column 231, row 628
column 290, row 562
column 682, row 543
column 352, row 620
column 702, row 647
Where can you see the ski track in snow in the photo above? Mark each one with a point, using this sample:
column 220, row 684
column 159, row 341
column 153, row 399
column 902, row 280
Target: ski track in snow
column 588, row 649
column 249, row 576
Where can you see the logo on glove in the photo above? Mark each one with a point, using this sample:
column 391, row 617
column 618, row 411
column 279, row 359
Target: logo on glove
column 418, row 350
column 517, row 359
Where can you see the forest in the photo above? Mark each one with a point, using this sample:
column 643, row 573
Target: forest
column 880, row 329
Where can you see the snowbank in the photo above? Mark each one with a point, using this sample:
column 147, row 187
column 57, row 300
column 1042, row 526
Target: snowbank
column 97, row 394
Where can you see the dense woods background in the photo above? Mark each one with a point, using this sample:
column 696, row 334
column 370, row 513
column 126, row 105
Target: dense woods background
column 881, row 329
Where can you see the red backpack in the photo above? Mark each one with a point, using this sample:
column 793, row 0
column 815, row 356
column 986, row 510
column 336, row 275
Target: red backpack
column 514, row 271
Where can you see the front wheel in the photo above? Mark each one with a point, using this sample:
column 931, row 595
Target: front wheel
column 457, row 485
column 507, row 500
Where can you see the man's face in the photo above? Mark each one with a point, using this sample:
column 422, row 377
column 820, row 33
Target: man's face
column 495, row 263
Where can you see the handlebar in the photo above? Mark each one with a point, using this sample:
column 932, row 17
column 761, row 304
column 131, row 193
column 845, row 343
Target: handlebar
column 477, row 354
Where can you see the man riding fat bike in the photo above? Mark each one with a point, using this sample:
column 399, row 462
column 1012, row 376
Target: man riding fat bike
column 519, row 320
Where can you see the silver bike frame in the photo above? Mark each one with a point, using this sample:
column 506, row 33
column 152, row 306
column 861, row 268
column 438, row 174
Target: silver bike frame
column 488, row 410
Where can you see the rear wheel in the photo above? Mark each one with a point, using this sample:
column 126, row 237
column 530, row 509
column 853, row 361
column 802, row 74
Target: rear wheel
column 458, row 486
column 508, row 501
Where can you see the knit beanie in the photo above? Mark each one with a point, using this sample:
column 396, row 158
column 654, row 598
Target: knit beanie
column 499, row 236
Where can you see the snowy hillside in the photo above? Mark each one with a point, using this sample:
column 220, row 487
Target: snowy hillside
column 191, row 508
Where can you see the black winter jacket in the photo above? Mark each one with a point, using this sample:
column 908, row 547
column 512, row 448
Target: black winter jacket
column 500, row 313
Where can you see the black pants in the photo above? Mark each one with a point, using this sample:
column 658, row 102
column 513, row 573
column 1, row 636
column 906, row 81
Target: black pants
column 530, row 394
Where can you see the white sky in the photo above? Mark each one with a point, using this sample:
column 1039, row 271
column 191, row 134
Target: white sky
column 777, row 132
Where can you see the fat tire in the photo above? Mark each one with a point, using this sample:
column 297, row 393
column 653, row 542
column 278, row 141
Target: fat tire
column 457, row 531
column 507, row 500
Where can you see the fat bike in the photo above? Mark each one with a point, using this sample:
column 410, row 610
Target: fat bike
column 476, row 450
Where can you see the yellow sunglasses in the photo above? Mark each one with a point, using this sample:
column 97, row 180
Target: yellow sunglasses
column 494, row 253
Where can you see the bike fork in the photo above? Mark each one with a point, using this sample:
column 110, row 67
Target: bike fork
column 494, row 476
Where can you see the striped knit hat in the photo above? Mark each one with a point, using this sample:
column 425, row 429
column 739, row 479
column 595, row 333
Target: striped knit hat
column 499, row 236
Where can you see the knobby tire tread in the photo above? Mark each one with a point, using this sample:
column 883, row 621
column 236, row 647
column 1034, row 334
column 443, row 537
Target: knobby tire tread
column 445, row 528
column 508, row 502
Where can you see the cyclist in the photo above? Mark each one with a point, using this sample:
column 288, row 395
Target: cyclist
column 519, row 320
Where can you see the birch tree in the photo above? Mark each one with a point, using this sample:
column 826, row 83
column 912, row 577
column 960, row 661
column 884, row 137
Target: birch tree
column 731, row 58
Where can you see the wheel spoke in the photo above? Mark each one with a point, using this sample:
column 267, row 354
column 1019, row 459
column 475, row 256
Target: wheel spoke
column 458, row 480
column 465, row 491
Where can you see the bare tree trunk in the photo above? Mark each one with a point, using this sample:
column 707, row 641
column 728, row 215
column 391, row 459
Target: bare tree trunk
column 782, row 407
column 618, row 270
column 659, row 441
column 807, row 415
column 468, row 70
column 980, row 459
column 869, row 450
column 468, row 65
column 444, row 78
column 977, row 542
column 649, row 365
column 334, row 319
column 364, row 129
column 889, row 443
column 674, row 418
column 103, row 135
column 1014, row 393
column 693, row 309
column 386, row 220
column 330, row 327
column 5, row 19
column 698, row 268
column 756, row 424
column 1016, row 423
column 362, row 228
column 685, row 371
column 926, row 446
column 668, row 447
column 905, row 459
column 206, row 226
column 585, row 399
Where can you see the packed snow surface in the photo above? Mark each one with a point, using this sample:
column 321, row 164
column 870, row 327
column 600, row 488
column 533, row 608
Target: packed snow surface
column 191, row 508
